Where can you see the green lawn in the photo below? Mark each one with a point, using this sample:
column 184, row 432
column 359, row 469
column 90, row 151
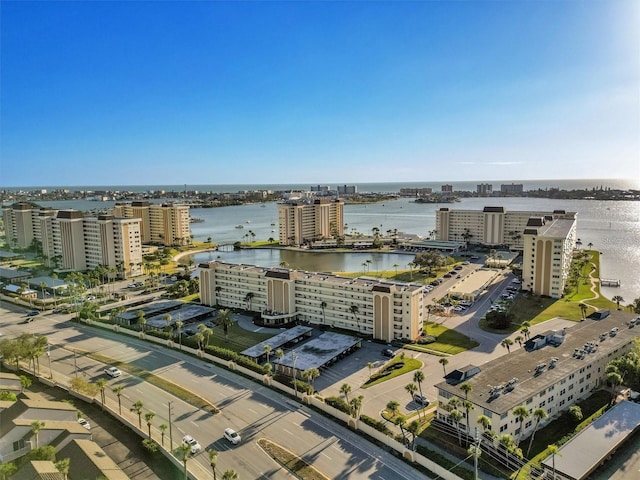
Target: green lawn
column 410, row 364
column 448, row 341
column 239, row 338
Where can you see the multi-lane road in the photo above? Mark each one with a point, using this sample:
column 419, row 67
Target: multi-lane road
column 251, row 409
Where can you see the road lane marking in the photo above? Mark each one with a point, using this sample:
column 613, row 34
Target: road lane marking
column 326, row 455
column 285, row 430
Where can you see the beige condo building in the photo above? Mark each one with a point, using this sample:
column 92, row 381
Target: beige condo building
column 384, row 310
column 22, row 223
column 308, row 220
column 491, row 226
column 166, row 224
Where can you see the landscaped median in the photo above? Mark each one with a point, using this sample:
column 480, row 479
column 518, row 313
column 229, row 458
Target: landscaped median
column 396, row 367
column 294, row 464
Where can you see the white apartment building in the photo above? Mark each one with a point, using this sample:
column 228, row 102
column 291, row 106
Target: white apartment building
column 113, row 242
column 166, row 224
column 308, row 220
column 384, row 310
column 492, row 226
column 548, row 250
column 22, row 223
column 559, row 369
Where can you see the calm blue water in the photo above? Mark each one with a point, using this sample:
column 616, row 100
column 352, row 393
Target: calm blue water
column 612, row 227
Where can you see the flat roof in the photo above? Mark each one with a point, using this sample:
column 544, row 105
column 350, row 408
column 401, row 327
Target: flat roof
column 8, row 255
column 475, row 282
column 558, row 228
column 583, row 453
column 49, row 281
column 10, row 273
column 521, row 364
column 151, row 309
column 186, row 312
column 277, row 341
column 317, row 352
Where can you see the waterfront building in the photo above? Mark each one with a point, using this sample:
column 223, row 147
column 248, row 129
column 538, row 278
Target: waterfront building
column 548, row 250
column 307, row 220
column 554, row 370
column 416, row 192
column 492, row 226
column 384, row 310
column 167, row 224
column 22, row 223
column 484, row 189
column 347, row 189
column 446, row 188
column 512, row 189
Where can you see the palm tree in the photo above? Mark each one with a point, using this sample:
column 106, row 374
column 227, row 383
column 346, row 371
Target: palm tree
column 184, row 452
column 310, row 375
column 411, row 265
column 539, row 414
column 518, row 340
column 466, row 388
column 395, row 266
column 213, row 461
column 521, row 413
column 323, row 305
column 137, row 408
column 613, row 379
column 553, row 451
column 618, row 299
column 392, row 407
column 443, row 362
column 63, row 467
column 267, row 351
column 506, row 343
column 411, row 388
column 583, row 310
column 345, row 389
column 507, row 443
column 149, row 417
column 224, row 318
column 163, row 428
column 230, row 475
column 248, row 298
column 468, row 406
column 456, row 416
column 36, row 426
column 370, row 366
column 418, row 377
column 484, row 422
column 354, row 310
column 101, row 383
column 356, row 406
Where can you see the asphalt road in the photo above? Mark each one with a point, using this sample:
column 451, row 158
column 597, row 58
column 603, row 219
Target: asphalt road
column 252, row 410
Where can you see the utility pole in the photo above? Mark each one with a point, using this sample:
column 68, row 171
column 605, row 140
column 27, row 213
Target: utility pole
column 476, row 453
column 75, row 363
column 49, row 357
column 170, row 427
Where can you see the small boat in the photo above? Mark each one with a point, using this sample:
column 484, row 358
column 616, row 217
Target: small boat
column 239, row 226
column 248, row 221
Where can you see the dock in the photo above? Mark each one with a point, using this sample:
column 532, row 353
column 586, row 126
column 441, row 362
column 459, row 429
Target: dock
column 608, row 282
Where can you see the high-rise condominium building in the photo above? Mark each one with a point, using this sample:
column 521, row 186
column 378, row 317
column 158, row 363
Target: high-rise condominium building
column 308, row 220
column 167, row 224
column 512, row 189
column 492, row 226
column 548, row 250
column 384, row 310
column 484, row 189
column 69, row 241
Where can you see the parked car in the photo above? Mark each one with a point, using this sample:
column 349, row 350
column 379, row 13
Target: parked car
column 113, row 372
column 33, row 313
column 193, row 443
column 84, row 423
column 387, row 352
column 231, row 435
column 420, row 399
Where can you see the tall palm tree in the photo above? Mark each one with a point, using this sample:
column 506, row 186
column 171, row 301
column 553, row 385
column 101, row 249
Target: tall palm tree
column 356, row 406
column 411, row 388
column 618, row 299
column 395, row 266
column 224, row 318
column 443, row 361
column 184, row 454
column 466, row 388
column 149, row 418
column 506, row 343
column 456, row 416
column 267, row 351
column 539, row 414
column 137, row 408
column 163, row 428
column 310, row 375
column 553, row 451
column 521, row 413
column 507, row 443
column 468, row 406
column 101, row 383
column 484, row 422
column 36, row 426
column 418, row 377
column 63, row 467
column 345, row 389
column 179, row 325
column 213, row 461
column 118, row 391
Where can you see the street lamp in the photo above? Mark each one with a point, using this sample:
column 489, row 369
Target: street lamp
column 49, row 357
column 170, row 428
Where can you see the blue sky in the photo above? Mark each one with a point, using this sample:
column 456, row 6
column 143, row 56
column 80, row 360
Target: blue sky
column 159, row 92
